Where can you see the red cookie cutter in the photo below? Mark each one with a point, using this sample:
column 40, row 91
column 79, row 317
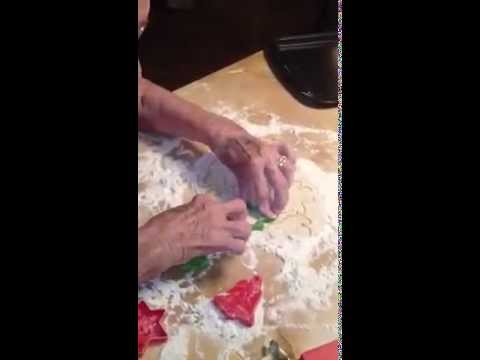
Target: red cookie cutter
column 150, row 329
column 239, row 302
column 324, row 352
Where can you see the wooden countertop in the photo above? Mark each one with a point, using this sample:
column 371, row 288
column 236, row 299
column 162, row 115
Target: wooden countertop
column 249, row 87
column 250, row 83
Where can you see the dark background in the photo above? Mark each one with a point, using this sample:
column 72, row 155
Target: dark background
column 182, row 45
column 409, row 260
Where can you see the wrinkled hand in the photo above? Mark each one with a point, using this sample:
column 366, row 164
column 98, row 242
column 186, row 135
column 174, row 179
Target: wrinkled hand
column 263, row 183
column 200, row 227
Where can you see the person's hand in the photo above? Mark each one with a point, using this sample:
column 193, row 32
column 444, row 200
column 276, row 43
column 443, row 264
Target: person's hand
column 200, row 227
column 264, row 171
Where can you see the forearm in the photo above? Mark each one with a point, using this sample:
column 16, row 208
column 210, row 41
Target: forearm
column 163, row 112
column 152, row 258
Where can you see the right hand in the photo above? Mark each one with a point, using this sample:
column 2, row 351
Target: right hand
column 200, row 227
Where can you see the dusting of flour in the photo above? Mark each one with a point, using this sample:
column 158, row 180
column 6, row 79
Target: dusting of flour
column 274, row 126
column 233, row 333
column 306, row 285
column 164, row 182
column 176, row 348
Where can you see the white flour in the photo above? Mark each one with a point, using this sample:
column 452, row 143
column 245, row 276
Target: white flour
column 306, row 285
column 176, row 348
column 168, row 294
column 163, row 183
column 165, row 180
column 233, row 333
column 273, row 127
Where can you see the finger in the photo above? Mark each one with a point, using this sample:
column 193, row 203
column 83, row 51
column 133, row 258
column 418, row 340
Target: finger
column 200, row 251
column 262, row 193
column 237, row 216
column 203, row 199
column 280, row 187
column 206, row 250
column 251, row 195
column 289, row 167
column 239, row 229
column 237, row 246
column 285, row 150
column 235, row 209
column 288, row 170
column 244, row 192
column 245, row 196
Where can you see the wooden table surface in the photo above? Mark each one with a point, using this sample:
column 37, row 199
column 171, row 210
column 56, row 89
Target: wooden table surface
column 250, row 83
column 250, row 86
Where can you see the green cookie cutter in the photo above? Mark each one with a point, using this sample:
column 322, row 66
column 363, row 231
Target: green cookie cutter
column 196, row 264
column 261, row 220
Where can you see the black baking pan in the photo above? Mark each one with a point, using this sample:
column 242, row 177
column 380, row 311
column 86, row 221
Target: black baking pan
column 307, row 66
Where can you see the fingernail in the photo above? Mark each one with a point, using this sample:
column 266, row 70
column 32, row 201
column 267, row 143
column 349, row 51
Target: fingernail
column 272, row 215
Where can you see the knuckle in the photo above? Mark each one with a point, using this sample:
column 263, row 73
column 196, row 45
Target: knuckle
column 209, row 198
column 270, row 167
column 203, row 200
column 197, row 199
column 258, row 162
column 243, row 228
column 281, row 182
column 203, row 197
column 240, row 204
column 262, row 195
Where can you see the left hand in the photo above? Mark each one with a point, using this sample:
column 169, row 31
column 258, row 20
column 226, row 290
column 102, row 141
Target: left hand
column 264, row 171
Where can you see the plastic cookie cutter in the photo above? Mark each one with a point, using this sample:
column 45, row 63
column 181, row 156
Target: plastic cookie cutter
column 325, row 352
column 239, row 303
column 259, row 225
column 150, row 329
column 196, row 264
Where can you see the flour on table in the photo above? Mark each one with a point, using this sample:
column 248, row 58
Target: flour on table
column 165, row 180
column 306, row 230
column 168, row 294
column 198, row 85
column 236, row 71
column 249, row 258
column 176, row 348
column 274, row 126
column 232, row 334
